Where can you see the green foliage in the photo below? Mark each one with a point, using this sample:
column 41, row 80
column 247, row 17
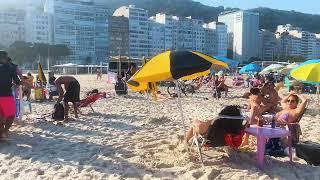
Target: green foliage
column 24, row 53
column 269, row 18
column 290, row 59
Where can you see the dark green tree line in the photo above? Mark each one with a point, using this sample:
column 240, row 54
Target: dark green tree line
column 26, row 54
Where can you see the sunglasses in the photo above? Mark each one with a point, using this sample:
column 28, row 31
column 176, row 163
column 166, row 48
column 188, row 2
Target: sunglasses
column 291, row 101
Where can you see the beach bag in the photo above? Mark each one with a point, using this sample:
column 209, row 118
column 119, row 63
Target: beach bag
column 58, row 113
column 274, row 148
column 309, row 151
column 26, row 107
column 121, row 88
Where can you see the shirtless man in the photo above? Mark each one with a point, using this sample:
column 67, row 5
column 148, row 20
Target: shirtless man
column 71, row 93
column 8, row 75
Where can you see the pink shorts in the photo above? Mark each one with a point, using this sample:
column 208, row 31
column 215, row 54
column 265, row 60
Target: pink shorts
column 7, row 107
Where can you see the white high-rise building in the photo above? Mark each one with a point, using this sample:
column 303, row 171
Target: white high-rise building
column 165, row 32
column 12, row 27
column 221, row 38
column 243, row 29
column 138, row 30
column 216, row 39
column 37, row 23
column 101, row 36
column 296, row 42
column 268, row 45
column 309, row 45
column 156, row 37
column 170, row 31
column 73, row 24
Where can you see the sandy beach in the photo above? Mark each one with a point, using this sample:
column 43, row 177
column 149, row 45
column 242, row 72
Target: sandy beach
column 136, row 138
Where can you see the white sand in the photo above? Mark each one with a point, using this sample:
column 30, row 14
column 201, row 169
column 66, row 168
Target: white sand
column 137, row 139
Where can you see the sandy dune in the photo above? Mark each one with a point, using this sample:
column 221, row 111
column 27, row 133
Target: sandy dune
column 135, row 138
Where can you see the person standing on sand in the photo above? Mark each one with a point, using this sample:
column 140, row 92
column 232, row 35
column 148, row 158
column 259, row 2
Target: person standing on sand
column 99, row 74
column 8, row 75
column 71, row 93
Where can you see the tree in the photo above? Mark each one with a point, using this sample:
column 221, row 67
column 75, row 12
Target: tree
column 283, row 58
column 24, row 53
column 59, row 51
column 88, row 60
column 21, row 52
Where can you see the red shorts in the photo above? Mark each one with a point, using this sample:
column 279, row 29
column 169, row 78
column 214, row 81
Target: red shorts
column 7, row 107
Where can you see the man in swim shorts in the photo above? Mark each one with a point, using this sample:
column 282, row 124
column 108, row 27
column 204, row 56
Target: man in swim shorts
column 8, row 76
column 71, row 93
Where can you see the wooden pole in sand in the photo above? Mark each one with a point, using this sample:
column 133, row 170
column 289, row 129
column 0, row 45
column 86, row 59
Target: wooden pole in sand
column 178, row 90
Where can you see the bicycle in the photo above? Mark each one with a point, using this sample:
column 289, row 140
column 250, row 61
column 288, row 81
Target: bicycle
column 184, row 87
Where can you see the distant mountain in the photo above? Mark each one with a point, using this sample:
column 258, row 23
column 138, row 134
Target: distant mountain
column 269, row 18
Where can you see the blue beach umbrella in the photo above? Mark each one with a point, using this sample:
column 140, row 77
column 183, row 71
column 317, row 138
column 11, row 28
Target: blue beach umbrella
column 250, row 68
column 231, row 63
column 311, row 62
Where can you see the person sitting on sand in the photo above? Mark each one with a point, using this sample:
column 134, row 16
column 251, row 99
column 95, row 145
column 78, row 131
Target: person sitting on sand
column 220, row 85
column 227, row 113
column 291, row 114
column 271, row 97
column 255, row 111
column 71, row 94
column 52, row 88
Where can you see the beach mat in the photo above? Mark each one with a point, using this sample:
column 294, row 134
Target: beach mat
column 309, row 151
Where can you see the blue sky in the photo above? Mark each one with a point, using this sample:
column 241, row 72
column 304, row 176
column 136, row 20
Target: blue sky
column 305, row 6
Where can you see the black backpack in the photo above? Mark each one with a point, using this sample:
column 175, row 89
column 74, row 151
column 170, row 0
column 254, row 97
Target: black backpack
column 58, row 113
column 121, row 87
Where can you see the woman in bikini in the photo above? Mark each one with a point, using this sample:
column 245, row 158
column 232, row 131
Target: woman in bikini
column 292, row 113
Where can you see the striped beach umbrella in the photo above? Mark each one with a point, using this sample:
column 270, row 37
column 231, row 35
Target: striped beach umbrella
column 175, row 65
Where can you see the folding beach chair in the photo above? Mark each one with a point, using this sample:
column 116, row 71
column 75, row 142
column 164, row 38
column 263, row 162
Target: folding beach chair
column 225, row 131
column 89, row 100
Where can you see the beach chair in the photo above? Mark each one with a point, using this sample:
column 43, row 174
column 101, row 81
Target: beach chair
column 89, row 100
column 226, row 133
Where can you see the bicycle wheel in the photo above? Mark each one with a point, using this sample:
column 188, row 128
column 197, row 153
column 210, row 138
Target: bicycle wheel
column 189, row 89
column 172, row 90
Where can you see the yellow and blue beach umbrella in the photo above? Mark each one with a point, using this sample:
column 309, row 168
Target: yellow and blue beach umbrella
column 308, row 72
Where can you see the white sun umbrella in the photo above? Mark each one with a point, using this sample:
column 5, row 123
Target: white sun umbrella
column 288, row 68
column 272, row 68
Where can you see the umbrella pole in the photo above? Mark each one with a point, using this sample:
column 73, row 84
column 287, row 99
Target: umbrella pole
column 318, row 93
column 215, row 89
column 180, row 106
